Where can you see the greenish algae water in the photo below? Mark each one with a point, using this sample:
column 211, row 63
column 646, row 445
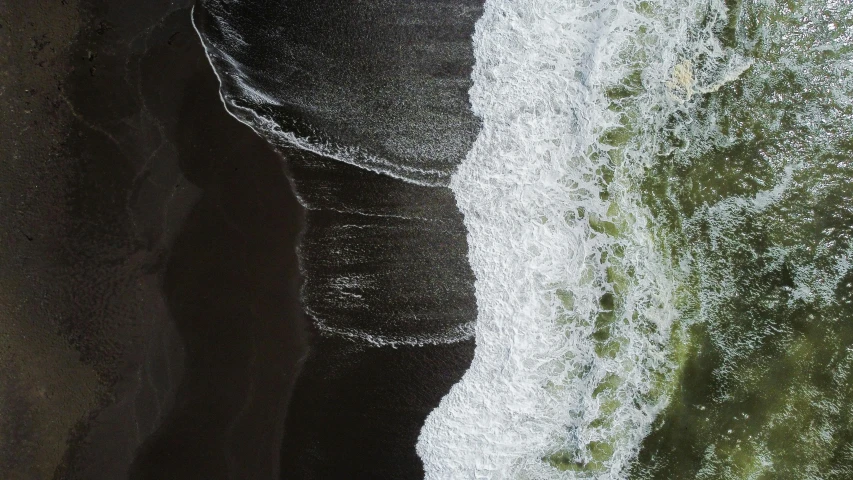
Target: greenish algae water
column 756, row 195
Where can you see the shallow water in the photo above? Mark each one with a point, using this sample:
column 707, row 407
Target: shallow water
column 757, row 195
column 676, row 178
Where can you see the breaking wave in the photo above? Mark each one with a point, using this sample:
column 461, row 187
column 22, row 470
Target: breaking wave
column 577, row 301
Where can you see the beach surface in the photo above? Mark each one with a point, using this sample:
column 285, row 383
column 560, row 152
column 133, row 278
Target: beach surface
column 155, row 262
column 151, row 326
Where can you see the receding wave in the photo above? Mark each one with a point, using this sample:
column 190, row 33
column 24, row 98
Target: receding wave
column 379, row 86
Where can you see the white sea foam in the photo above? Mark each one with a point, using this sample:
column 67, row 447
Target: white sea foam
column 351, row 155
column 575, row 303
column 452, row 334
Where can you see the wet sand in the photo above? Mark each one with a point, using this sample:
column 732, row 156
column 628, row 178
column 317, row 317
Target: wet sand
column 358, row 408
column 148, row 289
column 149, row 283
column 232, row 285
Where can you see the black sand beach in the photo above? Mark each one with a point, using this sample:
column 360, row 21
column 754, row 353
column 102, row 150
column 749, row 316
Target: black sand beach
column 149, row 277
column 150, row 318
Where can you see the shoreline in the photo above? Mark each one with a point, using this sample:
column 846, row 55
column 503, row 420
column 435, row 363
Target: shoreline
column 163, row 286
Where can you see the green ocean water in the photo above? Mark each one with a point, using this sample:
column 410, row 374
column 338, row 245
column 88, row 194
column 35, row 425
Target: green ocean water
column 752, row 190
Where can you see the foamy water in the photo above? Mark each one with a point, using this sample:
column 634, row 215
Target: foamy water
column 576, row 305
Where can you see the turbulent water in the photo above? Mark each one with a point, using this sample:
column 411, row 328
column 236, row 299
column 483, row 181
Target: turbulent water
column 659, row 211
column 659, row 216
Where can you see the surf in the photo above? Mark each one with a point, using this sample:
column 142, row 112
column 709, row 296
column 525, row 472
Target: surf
column 578, row 332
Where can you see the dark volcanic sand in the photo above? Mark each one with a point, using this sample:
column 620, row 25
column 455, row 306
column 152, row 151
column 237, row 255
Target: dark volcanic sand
column 150, row 325
column 148, row 276
column 231, row 284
